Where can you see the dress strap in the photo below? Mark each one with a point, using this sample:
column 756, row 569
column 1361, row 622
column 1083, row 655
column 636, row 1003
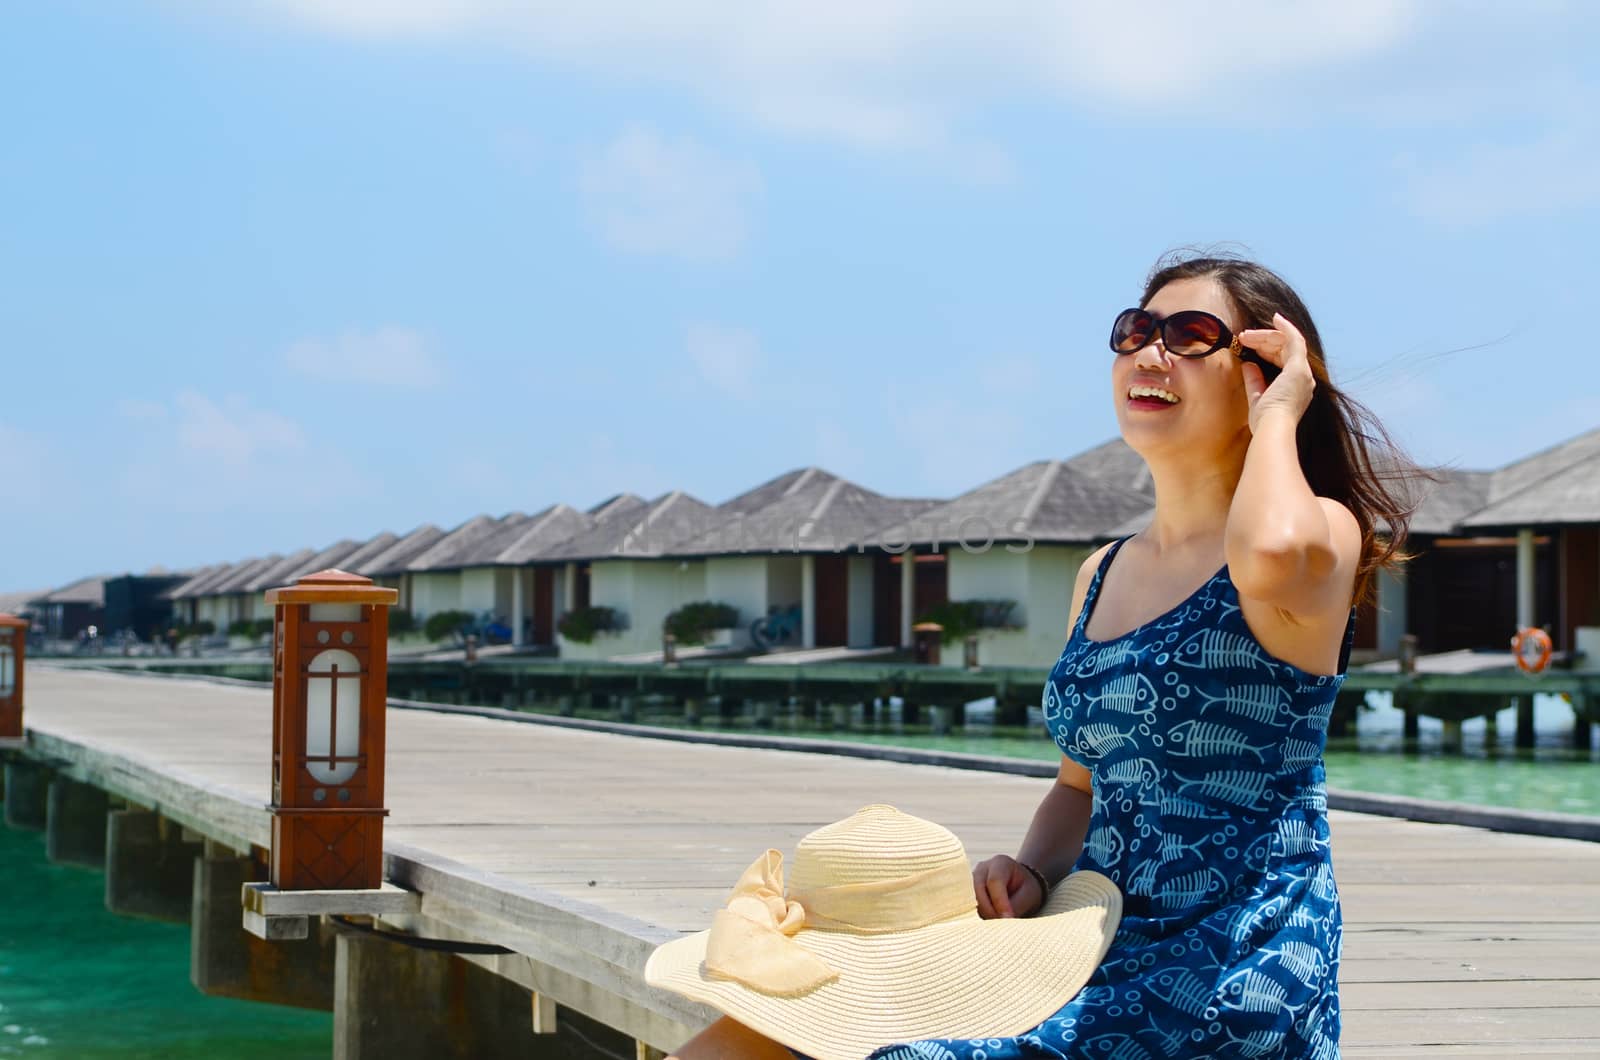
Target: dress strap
column 1094, row 585
column 1349, row 642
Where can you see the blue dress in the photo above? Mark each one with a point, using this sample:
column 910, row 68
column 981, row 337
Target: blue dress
column 1210, row 813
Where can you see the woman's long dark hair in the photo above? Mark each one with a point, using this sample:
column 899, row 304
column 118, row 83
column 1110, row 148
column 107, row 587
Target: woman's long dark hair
column 1345, row 453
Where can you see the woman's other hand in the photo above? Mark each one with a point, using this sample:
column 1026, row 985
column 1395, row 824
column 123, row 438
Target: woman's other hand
column 1290, row 393
column 1005, row 889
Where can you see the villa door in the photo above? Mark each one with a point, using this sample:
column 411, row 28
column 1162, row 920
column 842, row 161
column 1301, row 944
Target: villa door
column 832, row 594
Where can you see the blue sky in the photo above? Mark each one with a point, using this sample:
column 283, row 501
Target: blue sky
column 279, row 272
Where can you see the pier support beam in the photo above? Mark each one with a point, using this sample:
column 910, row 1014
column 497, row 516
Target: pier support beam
column 398, row 1002
column 1525, row 734
column 27, row 795
column 75, row 824
column 1451, row 739
column 227, row 961
column 149, row 867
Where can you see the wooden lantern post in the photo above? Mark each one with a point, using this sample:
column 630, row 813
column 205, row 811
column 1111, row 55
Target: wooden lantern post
column 330, row 679
column 13, row 651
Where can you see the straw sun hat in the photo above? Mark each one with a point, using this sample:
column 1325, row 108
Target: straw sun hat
column 878, row 940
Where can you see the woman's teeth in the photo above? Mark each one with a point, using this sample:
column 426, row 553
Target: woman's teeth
column 1153, row 392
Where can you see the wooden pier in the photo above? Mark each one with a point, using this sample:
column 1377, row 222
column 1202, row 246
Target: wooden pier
column 579, row 851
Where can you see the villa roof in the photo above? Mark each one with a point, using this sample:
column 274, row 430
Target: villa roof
column 15, row 602
column 775, row 489
column 456, row 549
column 90, row 590
column 1046, row 501
column 1559, row 485
column 1446, row 502
column 660, row 525
column 240, row 576
column 202, row 582
column 618, row 504
column 1116, row 463
column 810, row 510
column 276, row 574
column 394, row 558
column 329, row 558
column 557, row 524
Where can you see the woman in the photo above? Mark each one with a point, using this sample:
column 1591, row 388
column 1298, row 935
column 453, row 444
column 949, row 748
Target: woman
column 1192, row 720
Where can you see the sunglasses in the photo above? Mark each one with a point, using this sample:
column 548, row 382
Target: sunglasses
column 1187, row 333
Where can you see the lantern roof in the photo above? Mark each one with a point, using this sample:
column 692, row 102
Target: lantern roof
column 333, row 587
column 13, row 622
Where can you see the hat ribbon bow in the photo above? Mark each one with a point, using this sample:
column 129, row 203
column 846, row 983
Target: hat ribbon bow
column 751, row 939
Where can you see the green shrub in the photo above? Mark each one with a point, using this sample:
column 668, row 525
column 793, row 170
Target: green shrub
column 401, row 621
column 583, row 624
column 203, row 628
column 442, row 624
column 242, row 627
column 261, row 627
column 962, row 618
column 692, row 623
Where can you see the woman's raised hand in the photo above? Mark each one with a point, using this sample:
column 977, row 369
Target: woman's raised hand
column 1290, row 393
column 1005, row 889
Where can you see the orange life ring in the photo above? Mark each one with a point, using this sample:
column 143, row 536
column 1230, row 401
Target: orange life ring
column 1531, row 647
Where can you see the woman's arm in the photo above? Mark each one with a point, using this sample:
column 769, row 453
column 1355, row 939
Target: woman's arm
column 1054, row 840
column 1286, row 546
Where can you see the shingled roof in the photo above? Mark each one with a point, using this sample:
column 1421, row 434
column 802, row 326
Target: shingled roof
column 806, row 511
column 1560, row 485
column 619, row 504
column 775, row 489
column 457, row 548
column 392, row 559
column 1047, row 501
column 277, row 574
column 90, row 590
column 240, row 576
column 555, row 525
column 196, row 578
column 1116, row 463
column 665, row 521
column 331, row 557
column 14, row 603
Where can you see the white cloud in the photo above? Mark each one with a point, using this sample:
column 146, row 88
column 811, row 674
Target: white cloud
column 651, row 194
column 901, row 74
column 727, row 359
column 389, row 356
column 203, row 455
column 1492, row 181
column 233, row 433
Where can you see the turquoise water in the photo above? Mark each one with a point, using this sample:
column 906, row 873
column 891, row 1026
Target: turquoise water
column 1549, row 776
column 77, row 982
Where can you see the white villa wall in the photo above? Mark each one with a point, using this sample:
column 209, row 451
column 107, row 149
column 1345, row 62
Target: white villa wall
column 1039, row 580
column 1392, row 617
column 213, row 609
column 859, row 634
column 741, row 582
column 435, row 591
column 645, row 591
column 783, row 580
column 477, row 590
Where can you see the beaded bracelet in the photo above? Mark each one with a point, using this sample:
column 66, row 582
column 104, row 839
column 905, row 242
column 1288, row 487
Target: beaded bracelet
column 1044, row 886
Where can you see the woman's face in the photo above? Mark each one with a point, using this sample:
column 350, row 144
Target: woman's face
column 1210, row 410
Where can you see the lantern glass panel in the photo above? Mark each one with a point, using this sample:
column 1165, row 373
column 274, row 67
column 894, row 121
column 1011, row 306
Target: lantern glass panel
column 8, row 670
column 333, row 715
column 336, row 612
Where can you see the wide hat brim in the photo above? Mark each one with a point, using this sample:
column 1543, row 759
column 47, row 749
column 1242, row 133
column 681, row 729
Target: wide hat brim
column 960, row 978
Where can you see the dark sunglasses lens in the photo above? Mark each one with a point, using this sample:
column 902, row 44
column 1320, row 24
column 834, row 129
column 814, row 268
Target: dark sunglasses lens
column 1132, row 330
column 1191, row 333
